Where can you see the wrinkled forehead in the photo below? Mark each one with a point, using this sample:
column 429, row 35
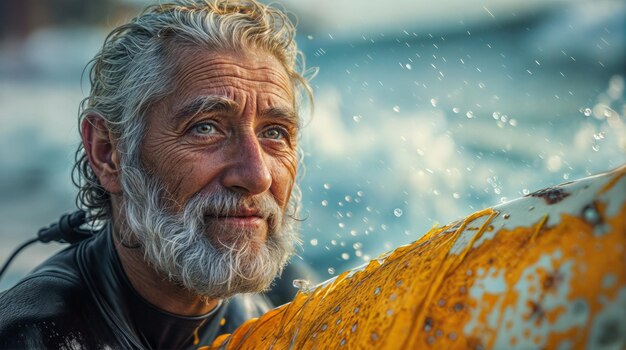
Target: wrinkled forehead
column 241, row 79
column 253, row 64
column 195, row 69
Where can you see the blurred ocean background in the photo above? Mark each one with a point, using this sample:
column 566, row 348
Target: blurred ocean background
column 425, row 112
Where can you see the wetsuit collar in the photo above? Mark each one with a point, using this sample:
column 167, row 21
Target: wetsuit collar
column 135, row 316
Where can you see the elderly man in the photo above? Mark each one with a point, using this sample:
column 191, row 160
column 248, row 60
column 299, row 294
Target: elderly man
column 189, row 158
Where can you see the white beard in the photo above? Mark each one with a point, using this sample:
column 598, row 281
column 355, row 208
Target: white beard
column 207, row 260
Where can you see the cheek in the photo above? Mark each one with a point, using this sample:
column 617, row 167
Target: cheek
column 163, row 159
column 180, row 170
column 284, row 168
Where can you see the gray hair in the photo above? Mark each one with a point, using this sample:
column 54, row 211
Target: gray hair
column 201, row 257
column 133, row 71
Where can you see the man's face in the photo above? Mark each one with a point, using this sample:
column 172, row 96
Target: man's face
column 230, row 125
column 218, row 161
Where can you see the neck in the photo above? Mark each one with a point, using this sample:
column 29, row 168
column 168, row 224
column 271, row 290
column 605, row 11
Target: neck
column 156, row 288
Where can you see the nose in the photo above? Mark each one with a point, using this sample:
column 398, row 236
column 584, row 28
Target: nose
column 248, row 172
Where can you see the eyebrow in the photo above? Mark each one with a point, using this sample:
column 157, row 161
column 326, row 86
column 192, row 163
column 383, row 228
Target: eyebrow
column 281, row 113
column 219, row 104
column 206, row 104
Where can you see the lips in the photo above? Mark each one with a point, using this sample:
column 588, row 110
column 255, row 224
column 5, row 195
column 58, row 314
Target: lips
column 243, row 213
column 240, row 217
column 241, row 220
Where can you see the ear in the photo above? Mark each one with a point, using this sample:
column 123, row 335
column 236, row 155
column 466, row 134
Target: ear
column 102, row 153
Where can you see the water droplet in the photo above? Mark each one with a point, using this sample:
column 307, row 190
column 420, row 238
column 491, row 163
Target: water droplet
column 326, row 186
column 591, row 215
column 324, row 326
column 301, row 284
column 397, row 212
column 389, row 312
column 345, row 256
column 353, row 328
column 554, row 163
column 357, row 245
column 341, row 225
column 428, row 325
column 356, row 310
column 333, row 241
column 399, row 283
column 348, row 199
column 408, row 66
column 331, row 271
column 324, row 203
column 343, row 342
column 377, row 291
column 456, row 195
column 393, row 296
column 596, row 148
column 383, row 227
column 338, row 321
column 513, row 122
column 396, row 109
column 433, row 102
column 314, row 242
column 310, row 37
column 374, row 336
column 587, row 112
column 337, row 308
column 496, row 115
column 359, row 193
column 357, row 118
column 456, row 110
column 525, row 191
column 599, row 136
column 469, row 114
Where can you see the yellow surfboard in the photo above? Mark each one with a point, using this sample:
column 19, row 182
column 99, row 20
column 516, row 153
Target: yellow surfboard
column 545, row 271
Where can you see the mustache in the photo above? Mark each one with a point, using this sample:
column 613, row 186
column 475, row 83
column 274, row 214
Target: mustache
column 223, row 203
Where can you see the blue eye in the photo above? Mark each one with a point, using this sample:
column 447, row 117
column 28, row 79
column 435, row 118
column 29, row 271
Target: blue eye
column 274, row 133
column 204, row 129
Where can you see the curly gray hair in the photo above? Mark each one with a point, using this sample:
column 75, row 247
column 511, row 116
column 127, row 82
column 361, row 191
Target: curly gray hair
column 133, row 71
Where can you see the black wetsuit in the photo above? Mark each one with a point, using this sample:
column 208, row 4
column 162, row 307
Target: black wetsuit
column 82, row 299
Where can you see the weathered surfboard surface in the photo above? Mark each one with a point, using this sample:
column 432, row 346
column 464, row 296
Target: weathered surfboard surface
column 546, row 271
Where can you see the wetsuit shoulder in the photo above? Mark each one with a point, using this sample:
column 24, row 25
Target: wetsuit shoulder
column 36, row 308
column 50, row 308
